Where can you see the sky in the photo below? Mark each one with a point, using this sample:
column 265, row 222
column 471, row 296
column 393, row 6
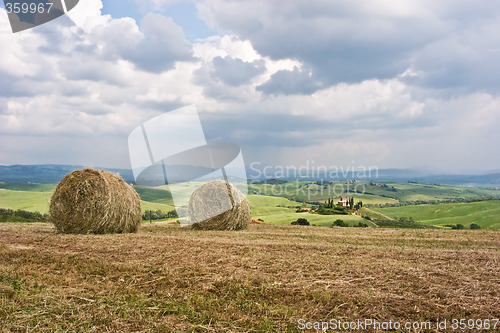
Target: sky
column 391, row 84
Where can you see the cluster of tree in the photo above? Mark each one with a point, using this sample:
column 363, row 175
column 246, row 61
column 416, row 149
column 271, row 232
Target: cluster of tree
column 19, row 215
column 271, row 181
column 335, row 210
column 286, row 206
column 341, row 223
column 329, row 203
column 322, row 184
column 430, row 202
column 459, row 226
column 384, row 186
column 301, row 221
column 159, row 215
column 402, row 222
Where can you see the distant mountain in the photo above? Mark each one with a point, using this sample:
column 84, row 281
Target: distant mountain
column 48, row 173
column 488, row 180
column 424, row 175
column 53, row 173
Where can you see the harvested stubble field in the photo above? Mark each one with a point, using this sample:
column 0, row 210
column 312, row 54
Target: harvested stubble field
column 166, row 278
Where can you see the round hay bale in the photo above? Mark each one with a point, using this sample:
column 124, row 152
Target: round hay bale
column 95, row 202
column 213, row 197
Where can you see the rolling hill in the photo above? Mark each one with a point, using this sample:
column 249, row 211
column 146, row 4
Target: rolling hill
column 280, row 210
column 484, row 213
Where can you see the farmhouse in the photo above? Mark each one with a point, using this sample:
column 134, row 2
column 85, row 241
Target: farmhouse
column 343, row 203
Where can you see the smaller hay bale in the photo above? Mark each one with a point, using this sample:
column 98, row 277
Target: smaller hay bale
column 95, row 202
column 210, row 198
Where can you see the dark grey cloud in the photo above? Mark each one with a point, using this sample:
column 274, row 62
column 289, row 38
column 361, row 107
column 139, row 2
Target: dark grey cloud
column 213, row 89
column 264, row 127
column 259, row 130
column 217, row 88
column 11, row 86
column 291, row 82
column 354, row 41
column 235, row 72
column 82, row 67
column 461, row 63
column 163, row 106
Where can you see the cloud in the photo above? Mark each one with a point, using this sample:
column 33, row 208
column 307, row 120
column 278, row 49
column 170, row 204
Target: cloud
column 464, row 61
column 148, row 5
column 355, row 41
column 156, row 48
column 231, row 69
column 298, row 81
column 387, row 84
column 328, row 114
column 340, row 42
column 75, row 71
column 163, row 45
column 235, row 72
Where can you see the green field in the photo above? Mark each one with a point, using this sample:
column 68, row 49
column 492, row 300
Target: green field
column 36, row 197
column 307, row 191
column 26, row 200
column 155, row 198
column 30, row 187
column 484, row 213
column 372, row 193
column 275, row 210
column 426, row 192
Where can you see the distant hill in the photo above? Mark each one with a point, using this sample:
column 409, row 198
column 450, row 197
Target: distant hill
column 53, row 173
column 48, row 173
column 423, row 176
column 487, row 180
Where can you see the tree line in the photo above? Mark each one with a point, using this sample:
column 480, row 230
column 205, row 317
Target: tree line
column 149, row 215
column 19, row 215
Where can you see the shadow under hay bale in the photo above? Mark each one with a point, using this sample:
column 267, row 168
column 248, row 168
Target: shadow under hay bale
column 208, row 200
column 95, row 202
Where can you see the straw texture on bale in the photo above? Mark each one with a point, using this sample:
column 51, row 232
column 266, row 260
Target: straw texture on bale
column 95, row 202
column 216, row 196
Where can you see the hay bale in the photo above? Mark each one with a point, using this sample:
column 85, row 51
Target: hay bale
column 95, row 201
column 216, row 196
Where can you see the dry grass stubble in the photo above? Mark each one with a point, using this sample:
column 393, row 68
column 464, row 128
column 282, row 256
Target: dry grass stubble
column 168, row 278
